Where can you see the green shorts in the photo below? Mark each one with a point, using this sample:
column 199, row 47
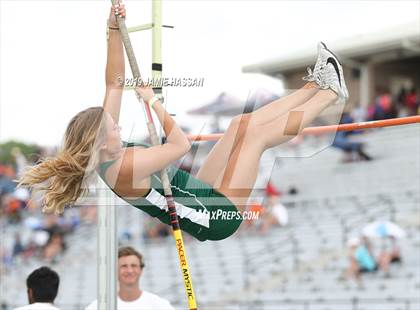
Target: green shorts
column 202, row 211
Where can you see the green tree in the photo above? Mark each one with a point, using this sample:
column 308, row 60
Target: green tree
column 28, row 150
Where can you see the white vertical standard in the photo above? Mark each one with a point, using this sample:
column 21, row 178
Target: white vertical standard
column 107, row 248
column 157, row 43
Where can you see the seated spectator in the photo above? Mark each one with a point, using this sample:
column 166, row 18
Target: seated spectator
column 387, row 257
column 88, row 214
column 412, row 102
column 42, row 285
column 383, row 107
column 358, row 113
column 255, row 208
column 400, row 100
column 361, row 258
column 156, row 230
column 267, row 213
column 6, row 185
column 54, row 247
column 349, row 148
column 17, row 246
column 395, row 253
column 276, row 214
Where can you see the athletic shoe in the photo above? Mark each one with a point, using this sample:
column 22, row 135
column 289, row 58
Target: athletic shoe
column 314, row 76
column 331, row 77
column 328, row 72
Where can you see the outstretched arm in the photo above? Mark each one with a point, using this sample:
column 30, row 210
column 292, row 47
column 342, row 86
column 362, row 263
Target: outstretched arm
column 114, row 73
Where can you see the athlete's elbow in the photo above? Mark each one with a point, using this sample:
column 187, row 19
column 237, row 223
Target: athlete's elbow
column 115, row 81
column 185, row 147
column 179, row 149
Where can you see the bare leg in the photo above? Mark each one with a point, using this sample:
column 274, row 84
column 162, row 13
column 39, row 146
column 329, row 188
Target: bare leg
column 237, row 180
column 384, row 260
column 289, row 125
column 274, row 109
column 353, row 269
column 220, row 153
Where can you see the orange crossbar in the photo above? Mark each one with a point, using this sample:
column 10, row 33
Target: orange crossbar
column 330, row 128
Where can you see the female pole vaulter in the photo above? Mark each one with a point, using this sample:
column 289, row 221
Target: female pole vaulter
column 92, row 144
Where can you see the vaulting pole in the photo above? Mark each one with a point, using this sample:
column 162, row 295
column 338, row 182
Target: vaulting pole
column 331, row 128
column 155, row 140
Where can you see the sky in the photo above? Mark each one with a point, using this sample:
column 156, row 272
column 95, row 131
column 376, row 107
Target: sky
column 53, row 53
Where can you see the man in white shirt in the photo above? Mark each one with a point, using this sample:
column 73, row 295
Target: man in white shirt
column 130, row 296
column 42, row 286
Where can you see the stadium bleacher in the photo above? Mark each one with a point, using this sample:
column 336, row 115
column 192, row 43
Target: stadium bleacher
column 295, row 267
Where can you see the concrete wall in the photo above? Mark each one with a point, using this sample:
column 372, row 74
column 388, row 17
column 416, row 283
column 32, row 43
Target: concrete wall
column 392, row 74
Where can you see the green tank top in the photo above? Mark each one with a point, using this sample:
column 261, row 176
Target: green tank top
column 103, row 167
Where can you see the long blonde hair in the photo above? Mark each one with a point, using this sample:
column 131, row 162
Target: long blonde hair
column 62, row 177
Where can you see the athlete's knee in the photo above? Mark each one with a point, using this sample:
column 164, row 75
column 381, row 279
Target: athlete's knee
column 240, row 121
column 241, row 124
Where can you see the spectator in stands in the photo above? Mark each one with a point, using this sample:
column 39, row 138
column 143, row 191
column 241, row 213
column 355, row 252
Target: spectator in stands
column 6, row 185
column 130, row 296
column 383, row 107
column 349, row 148
column 88, row 214
column 54, row 247
column 254, row 207
column 361, row 258
column 395, row 253
column 17, row 246
column 387, row 257
column 56, row 242
column 275, row 213
column 155, row 229
column 42, row 286
column 400, row 100
column 358, row 113
column 6, row 260
column 412, row 102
